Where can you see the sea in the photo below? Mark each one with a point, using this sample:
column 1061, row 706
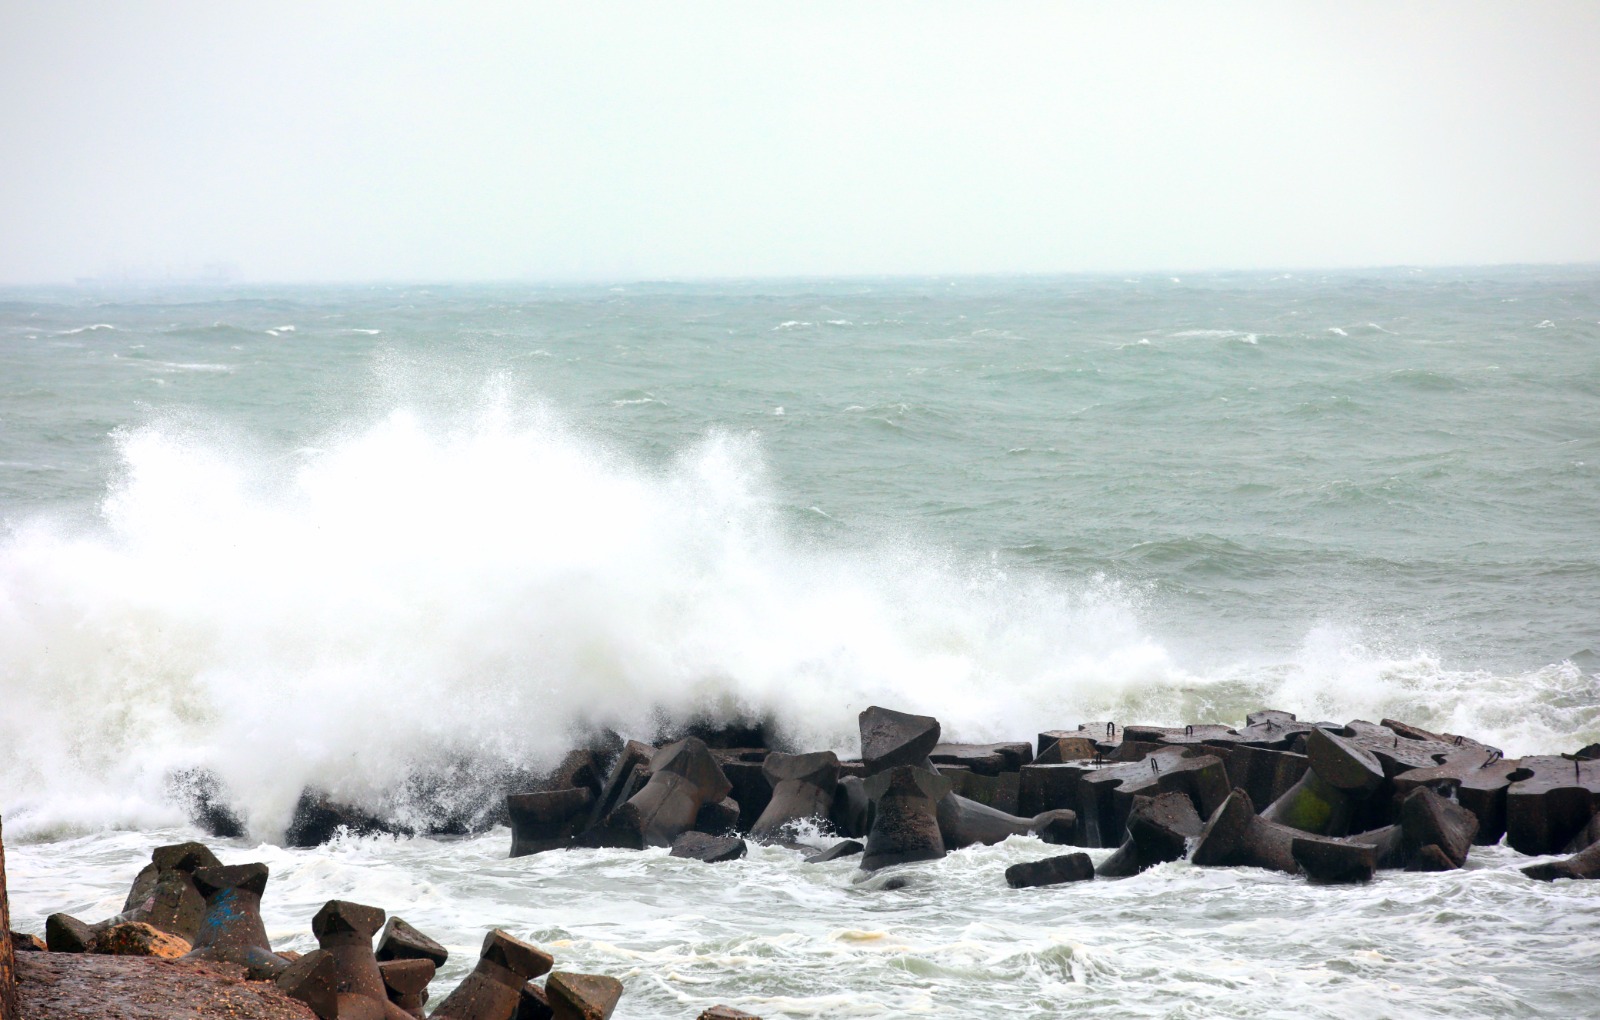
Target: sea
column 345, row 536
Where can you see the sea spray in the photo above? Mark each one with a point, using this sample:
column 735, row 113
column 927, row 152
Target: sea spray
column 471, row 593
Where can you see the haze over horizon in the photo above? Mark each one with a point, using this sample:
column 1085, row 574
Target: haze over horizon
column 616, row 141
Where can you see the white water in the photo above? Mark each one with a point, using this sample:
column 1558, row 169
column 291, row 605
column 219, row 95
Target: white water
column 414, row 590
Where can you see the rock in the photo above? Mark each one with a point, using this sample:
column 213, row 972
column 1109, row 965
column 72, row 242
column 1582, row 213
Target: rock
column 135, row 938
column 1050, row 871
column 726, row 1013
column 318, row 818
column 683, row 777
column 207, row 801
column 1590, row 752
column 852, row 807
column 8, row 945
column 1549, row 801
column 1428, row 819
column 964, row 822
column 1334, row 861
column 905, row 824
column 1235, row 836
column 493, row 991
column 802, row 788
column 406, row 983
column 712, row 849
column 64, row 933
column 22, row 943
column 55, row 987
column 1265, row 774
column 1476, row 779
column 232, row 930
column 1584, row 864
column 582, row 996
column 984, row 759
column 842, row 849
column 547, row 820
column 314, row 980
column 1158, row 830
column 400, row 941
column 891, row 739
column 719, row 818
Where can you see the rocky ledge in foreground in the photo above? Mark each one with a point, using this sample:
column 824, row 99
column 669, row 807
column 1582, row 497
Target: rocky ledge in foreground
column 61, row 986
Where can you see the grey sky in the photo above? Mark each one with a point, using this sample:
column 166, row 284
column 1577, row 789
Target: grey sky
column 356, row 142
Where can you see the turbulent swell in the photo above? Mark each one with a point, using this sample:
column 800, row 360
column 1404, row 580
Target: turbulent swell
column 417, row 591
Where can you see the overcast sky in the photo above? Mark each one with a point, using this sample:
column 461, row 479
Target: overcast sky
column 410, row 141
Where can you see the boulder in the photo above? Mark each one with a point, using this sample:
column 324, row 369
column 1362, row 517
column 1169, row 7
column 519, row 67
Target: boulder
column 802, row 788
column 701, row 846
column 231, row 930
column 683, row 778
column 891, row 739
column 1427, row 819
column 1549, row 801
column 207, row 802
column 964, row 822
column 1050, row 871
column 400, row 941
column 64, row 933
column 726, row 1013
column 1334, row 861
column 905, row 824
column 135, row 938
column 1235, row 836
column 22, row 943
column 1158, row 830
column 493, row 991
column 406, row 983
column 582, row 996
column 1474, row 778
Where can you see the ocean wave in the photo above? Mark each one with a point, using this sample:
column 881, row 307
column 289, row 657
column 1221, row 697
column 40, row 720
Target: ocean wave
column 485, row 587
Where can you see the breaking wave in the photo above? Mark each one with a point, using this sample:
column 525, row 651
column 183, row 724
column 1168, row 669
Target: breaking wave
column 488, row 586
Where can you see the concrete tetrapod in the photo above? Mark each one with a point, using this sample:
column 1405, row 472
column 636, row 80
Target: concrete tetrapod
column 1050, row 871
column 1584, row 864
column 1334, row 861
column 547, row 819
column 582, row 996
column 905, row 824
column 1550, row 799
column 802, row 787
column 964, row 822
column 1475, row 779
column 684, row 777
column 406, row 982
column 1159, row 829
column 164, row 895
column 400, row 941
column 344, row 931
column 232, row 930
column 1325, row 799
column 890, row 739
column 1235, row 836
column 494, row 988
column 1427, row 819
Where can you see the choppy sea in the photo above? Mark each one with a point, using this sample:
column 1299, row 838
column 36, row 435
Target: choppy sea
column 341, row 536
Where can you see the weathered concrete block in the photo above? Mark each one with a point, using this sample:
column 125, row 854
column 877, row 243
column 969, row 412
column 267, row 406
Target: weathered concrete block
column 400, row 941
column 1235, row 836
column 232, row 930
column 1550, row 799
column 1050, row 871
column 890, row 739
column 1158, row 830
column 702, row 846
column 905, row 825
column 582, row 996
column 802, row 788
column 547, row 820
